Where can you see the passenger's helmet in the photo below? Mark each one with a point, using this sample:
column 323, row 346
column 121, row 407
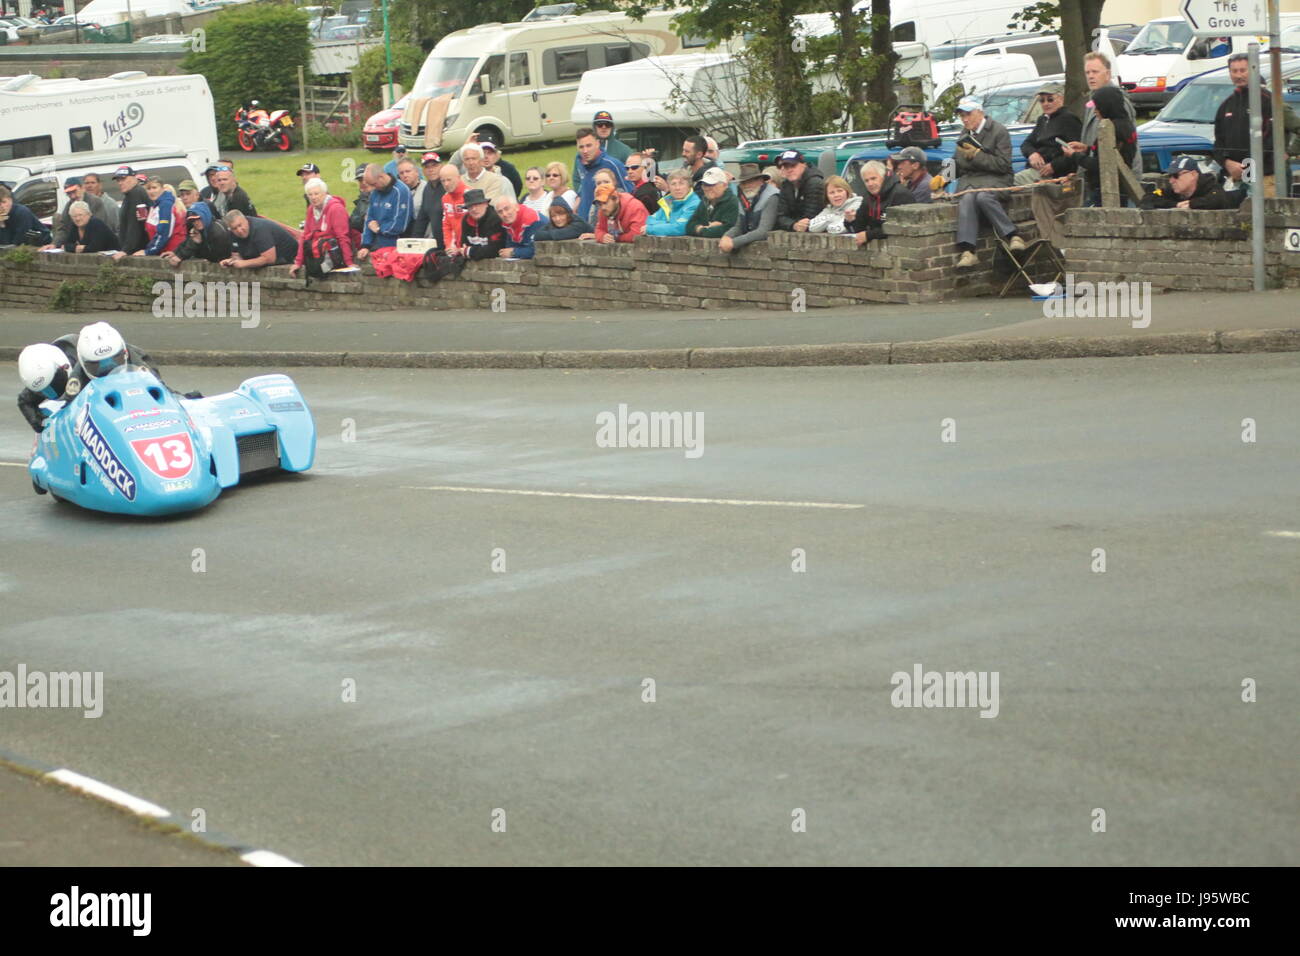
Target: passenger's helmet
column 44, row 369
column 101, row 348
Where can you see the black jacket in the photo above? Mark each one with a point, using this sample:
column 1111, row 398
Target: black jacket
column 511, row 173
column 427, row 221
column 486, row 237
column 131, row 234
column 214, row 246
column 1042, row 140
column 873, row 211
column 360, row 206
column 801, row 200
column 98, row 238
column 648, row 195
column 1207, row 195
column 1232, row 128
column 238, row 200
column 23, row 228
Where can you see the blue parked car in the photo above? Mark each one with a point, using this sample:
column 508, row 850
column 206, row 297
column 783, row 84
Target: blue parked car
column 1159, row 149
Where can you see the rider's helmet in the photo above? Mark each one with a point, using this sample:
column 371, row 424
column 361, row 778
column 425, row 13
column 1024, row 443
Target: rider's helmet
column 254, row 104
column 44, row 369
column 101, row 348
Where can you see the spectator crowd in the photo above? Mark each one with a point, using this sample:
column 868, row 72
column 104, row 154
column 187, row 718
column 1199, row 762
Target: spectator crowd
column 477, row 205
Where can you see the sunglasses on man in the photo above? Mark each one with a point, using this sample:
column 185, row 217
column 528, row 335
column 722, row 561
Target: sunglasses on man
column 633, row 165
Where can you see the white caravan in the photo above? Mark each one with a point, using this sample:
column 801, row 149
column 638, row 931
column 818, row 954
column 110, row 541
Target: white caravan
column 124, row 111
column 516, row 82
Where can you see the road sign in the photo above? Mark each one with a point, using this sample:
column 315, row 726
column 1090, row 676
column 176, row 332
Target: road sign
column 1293, row 240
column 1227, row 18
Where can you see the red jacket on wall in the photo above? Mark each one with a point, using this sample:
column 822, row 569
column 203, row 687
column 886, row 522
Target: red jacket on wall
column 331, row 221
column 627, row 224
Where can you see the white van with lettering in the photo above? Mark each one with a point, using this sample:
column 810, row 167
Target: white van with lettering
column 123, row 111
column 1165, row 56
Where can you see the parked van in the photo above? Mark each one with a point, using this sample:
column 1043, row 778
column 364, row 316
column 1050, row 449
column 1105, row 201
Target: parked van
column 126, row 110
column 658, row 101
column 1165, row 56
column 37, row 183
column 516, row 82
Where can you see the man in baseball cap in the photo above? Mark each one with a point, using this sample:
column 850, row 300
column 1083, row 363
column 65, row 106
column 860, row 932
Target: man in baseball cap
column 493, row 161
column 1042, row 147
column 803, row 192
column 1189, row 188
column 718, row 210
column 983, row 158
column 758, row 200
column 603, row 124
column 910, row 167
column 308, row 169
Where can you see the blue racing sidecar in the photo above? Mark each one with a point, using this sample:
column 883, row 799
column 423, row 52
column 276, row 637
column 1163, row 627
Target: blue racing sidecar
column 127, row 444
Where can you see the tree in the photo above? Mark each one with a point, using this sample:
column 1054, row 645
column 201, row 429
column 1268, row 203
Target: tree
column 240, row 64
column 770, row 24
column 425, row 23
column 371, row 72
column 1077, row 22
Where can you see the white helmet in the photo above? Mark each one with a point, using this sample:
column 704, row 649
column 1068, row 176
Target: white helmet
column 101, row 348
column 44, row 369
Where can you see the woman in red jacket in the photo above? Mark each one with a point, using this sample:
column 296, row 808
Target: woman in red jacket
column 327, row 218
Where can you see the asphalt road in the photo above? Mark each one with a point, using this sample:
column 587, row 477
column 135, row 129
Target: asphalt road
column 522, row 689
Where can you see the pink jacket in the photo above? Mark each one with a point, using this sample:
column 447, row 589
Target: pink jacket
column 331, row 221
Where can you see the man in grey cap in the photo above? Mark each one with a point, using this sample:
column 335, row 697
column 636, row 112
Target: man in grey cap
column 909, row 165
column 983, row 157
column 1043, row 146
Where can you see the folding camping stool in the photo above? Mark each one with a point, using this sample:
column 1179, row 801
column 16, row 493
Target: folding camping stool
column 1032, row 251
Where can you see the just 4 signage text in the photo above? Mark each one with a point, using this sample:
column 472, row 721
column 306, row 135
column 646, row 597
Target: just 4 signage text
column 1186, row 899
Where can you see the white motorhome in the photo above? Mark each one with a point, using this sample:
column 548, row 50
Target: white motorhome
column 1165, row 56
column 516, row 82
column 127, row 110
column 108, row 12
column 939, row 21
column 658, row 101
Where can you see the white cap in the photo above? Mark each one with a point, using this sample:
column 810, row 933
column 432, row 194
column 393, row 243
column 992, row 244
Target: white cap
column 715, row 176
column 968, row 104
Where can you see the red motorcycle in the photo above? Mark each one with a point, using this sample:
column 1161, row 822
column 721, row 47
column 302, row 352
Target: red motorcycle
column 259, row 129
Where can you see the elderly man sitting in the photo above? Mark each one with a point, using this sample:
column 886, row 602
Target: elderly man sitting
column 983, row 162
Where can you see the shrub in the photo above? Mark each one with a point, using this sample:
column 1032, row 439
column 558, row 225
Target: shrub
column 371, row 73
column 253, row 52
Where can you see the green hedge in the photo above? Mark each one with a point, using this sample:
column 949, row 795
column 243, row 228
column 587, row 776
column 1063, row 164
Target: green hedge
column 252, row 52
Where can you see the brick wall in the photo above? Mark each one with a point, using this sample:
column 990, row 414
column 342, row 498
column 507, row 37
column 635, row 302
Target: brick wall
column 1180, row 249
column 914, row 264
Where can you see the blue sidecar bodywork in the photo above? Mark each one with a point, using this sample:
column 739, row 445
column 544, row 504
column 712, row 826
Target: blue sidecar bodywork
column 127, row 445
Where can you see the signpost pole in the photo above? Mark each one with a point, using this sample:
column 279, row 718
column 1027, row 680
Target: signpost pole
column 1257, row 168
column 1281, row 170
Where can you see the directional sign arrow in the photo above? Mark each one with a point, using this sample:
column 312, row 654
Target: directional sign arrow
column 1230, row 17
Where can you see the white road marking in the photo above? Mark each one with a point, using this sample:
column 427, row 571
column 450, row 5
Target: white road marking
column 267, row 858
column 12, row 464
column 113, row 795
column 653, row 498
column 1283, row 534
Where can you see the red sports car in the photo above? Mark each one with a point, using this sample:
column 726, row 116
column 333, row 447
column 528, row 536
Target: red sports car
column 380, row 132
